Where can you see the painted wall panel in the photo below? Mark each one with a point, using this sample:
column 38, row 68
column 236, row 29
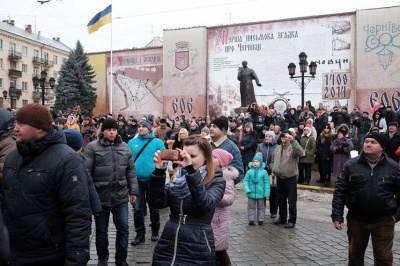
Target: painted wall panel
column 98, row 62
column 269, row 48
column 137, row 80
column 185, row 55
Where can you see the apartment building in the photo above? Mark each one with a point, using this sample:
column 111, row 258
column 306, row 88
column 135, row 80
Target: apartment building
column 25, row 55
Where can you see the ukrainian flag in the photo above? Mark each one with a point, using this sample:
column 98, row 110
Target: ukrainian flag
column 102, row 18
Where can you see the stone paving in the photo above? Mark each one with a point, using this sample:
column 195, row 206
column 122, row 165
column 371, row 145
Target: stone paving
column 313, row 241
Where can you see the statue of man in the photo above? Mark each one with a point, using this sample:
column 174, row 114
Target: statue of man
column 246, row 76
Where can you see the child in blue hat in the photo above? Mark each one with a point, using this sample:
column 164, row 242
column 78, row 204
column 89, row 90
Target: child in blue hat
column 257, row 187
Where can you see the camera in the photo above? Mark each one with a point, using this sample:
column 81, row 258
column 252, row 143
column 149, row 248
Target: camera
column 170, row 155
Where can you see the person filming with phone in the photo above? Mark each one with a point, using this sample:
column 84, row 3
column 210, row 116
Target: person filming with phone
column 196, row 189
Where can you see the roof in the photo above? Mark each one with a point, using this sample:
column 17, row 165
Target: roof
column 33, row 36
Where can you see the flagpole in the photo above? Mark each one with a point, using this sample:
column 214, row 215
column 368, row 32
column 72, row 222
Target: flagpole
column 111, row 65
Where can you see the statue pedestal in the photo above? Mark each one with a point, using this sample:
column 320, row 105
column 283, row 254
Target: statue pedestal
column 241, row 110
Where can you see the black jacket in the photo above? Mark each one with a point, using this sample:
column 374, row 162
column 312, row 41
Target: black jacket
column 369, row 194
column 46, row 202
column 392, row 145
column 194, row 236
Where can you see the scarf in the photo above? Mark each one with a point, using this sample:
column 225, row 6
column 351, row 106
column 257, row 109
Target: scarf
column 179, row 186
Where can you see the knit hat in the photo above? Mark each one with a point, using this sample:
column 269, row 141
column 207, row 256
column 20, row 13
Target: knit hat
column 109, row 123
column 272, row 134
column 221, row 122
column 35, row 115
column 146, row 123
column 378, row 137
column 6, row 120
column 74, row 139
column 258, row 157
column 224, row 158
column 206, row 129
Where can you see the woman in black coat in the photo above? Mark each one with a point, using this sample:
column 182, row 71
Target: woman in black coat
column 248, row 145
column 196, row 189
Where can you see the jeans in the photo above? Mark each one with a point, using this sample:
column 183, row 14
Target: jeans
column 304, row 173
column 287, row 193
column 382, row 234
column 120, row 219
column 361, row 137
column 138, row 215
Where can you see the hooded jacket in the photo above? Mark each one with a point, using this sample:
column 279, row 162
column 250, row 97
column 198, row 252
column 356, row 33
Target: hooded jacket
column 260, row 189
column 46, row 202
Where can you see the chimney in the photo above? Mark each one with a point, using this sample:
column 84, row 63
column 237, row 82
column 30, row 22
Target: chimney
column 28, row 28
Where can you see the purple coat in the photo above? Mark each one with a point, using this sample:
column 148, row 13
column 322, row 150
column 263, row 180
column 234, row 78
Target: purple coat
column 341, row 154
column 221, row 222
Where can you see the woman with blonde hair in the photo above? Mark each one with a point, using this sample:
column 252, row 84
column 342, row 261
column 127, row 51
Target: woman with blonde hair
column 192, row 196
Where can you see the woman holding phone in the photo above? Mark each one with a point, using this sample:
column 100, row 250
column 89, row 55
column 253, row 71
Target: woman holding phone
column 196, row 189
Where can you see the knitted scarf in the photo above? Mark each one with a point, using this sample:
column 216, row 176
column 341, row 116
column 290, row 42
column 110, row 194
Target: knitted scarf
column 254, row 177
column 179, row 186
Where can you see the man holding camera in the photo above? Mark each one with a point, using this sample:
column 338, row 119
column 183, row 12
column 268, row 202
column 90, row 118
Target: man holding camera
column 143, row 148
column 285, row 168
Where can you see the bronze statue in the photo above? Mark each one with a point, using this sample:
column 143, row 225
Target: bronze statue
column 246, row 76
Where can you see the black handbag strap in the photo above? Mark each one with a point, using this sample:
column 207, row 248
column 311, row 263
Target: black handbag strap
column 141, row 150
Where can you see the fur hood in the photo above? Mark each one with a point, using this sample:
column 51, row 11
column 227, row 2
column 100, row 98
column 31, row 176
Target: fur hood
column 230, row 173
column 344, row 128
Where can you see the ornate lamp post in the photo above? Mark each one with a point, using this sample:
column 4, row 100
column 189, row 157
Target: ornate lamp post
column 303, row 69
column 41, row 83
column 14, row 94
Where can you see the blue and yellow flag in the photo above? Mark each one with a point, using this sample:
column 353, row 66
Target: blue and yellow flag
column 102, row 18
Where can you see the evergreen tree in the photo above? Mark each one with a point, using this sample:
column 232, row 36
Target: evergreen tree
column 75, row 83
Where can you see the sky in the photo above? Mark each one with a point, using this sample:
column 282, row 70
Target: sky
column 135, row 23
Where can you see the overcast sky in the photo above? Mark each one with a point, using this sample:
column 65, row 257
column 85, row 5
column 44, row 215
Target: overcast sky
column 135, row 23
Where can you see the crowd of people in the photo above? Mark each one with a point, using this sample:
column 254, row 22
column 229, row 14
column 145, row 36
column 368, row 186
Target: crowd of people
column 57, row 169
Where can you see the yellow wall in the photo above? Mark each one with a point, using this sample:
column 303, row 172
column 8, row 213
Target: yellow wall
column 98, row 62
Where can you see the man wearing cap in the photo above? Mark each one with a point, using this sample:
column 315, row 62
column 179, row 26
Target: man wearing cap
column 393, row 141
column 143, row 148
column 110, row 163
column 45, row 200
column 369, row 186
column 131, row 128
column 218, row 131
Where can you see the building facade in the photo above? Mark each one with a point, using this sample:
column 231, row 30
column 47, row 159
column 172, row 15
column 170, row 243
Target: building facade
column 23, row 56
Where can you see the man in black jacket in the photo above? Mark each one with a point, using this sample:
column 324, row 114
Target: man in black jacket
column 45, row 203
column 393, row 141
column 369, row 186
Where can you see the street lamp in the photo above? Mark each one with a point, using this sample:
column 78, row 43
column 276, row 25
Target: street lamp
column 303, row 69
column 13, row 93
column 41, row 83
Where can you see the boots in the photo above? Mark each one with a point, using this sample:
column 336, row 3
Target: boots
column 327, row 182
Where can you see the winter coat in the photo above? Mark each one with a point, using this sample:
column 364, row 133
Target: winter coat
column 112, row 170
column 187, row 238
column 95, row 202
column 260, row 189
column 144, row 165
column 369, row 194
column 341, row 153
column 221, row 221
column 392, row 145
column 321, row 122
column 232, row 148
column 380, row 122
column 46, row 202
column 7, row 144
column 249, row 142
column 267, row 151
column 285, row 160
column 323, row 152
column 363, row 125
column 307, row 142
column 4, row 242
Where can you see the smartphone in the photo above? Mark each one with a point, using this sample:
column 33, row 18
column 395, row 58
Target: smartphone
column 170, row 155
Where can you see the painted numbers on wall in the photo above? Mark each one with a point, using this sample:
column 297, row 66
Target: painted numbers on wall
column 336, row 85
column 182, row 105
column 386, row 99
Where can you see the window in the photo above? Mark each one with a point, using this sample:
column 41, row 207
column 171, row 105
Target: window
column 24, row 50
column 36, row 71
column 1, row 43
column 55, row 75
column 24, row 102
column 13, row 46
column 25, row 68
column 1, row 63
column 24, row 86
column 46, row 57
column 35, row 53
column 13, row 65
column 1, row 83
column 55, row 59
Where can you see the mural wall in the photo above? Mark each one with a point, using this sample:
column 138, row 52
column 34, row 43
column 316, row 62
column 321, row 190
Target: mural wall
column 269, row 48
column 98, row 62
column 137, row 82
column 378, row 57
column 185, row 55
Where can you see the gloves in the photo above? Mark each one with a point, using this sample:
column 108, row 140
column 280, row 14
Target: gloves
column 339, row 150
column 346, row 144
